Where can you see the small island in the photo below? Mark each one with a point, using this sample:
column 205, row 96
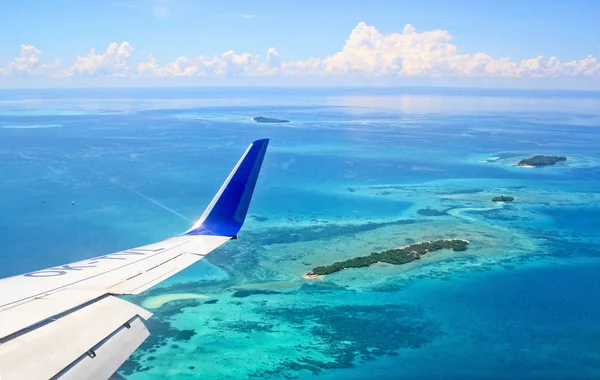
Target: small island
column 541, row 161
column 503, row 198
column 261, row 119
column 396, row 256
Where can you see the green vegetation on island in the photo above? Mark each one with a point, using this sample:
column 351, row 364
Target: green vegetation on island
column 396, row 256
column 261, row 119
column 541, row 160
column 503, row 198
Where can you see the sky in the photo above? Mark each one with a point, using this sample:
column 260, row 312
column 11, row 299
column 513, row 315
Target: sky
column 504, row 43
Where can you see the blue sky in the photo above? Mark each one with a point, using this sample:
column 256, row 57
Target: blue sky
column 298, row 31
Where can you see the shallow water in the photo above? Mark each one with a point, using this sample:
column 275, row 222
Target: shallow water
column 356, row 170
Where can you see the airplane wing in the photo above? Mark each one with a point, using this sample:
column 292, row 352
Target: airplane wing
column 66, row 323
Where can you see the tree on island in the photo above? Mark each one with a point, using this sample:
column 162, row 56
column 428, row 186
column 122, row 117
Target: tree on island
column 541, row 160
column 503, row 198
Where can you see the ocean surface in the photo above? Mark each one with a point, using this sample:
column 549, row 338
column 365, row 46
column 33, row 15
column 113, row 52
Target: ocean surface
column 355, row 171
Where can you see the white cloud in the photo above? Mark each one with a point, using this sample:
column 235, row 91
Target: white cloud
column 366, row 53
column 228, row 64
column 411, row 54
column 273, row 59
column 27, row 63
column 113, row 62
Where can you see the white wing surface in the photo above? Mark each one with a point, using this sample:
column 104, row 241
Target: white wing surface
column 66, row 323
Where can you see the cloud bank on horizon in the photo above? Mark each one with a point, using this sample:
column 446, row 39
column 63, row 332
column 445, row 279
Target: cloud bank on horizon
column 366, row 53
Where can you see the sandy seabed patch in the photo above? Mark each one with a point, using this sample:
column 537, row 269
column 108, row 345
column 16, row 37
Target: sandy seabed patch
column 155, row 302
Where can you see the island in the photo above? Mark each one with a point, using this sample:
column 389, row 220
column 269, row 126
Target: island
column 541, row 161
column 503, row 198
column 261, row 119
column 395, row 256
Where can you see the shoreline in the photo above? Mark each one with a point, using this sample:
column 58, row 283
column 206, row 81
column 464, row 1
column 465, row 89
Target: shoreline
column 309, row 276
column 431, row 241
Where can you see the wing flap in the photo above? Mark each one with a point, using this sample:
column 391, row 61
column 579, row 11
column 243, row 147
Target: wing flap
column 109, row 354
column 49, row 349
column 35, row 310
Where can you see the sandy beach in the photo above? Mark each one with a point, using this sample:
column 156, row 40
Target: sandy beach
column 308, row 276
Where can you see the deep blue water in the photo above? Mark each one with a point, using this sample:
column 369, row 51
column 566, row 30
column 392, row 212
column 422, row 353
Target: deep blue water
column 347, row 176
column 533, row 323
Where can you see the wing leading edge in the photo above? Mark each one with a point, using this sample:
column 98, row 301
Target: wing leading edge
column 65, row 322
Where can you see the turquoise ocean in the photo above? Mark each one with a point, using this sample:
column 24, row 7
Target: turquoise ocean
column 355, row 171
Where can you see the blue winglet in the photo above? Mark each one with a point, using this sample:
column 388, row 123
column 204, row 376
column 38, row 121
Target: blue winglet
column 225, row 214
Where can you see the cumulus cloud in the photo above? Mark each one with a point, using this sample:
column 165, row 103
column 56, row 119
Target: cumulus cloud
column 27, row 63
column 113, row 62
column 228, row 64
column 273, row 59
column 366, row 53
column 431, row 53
